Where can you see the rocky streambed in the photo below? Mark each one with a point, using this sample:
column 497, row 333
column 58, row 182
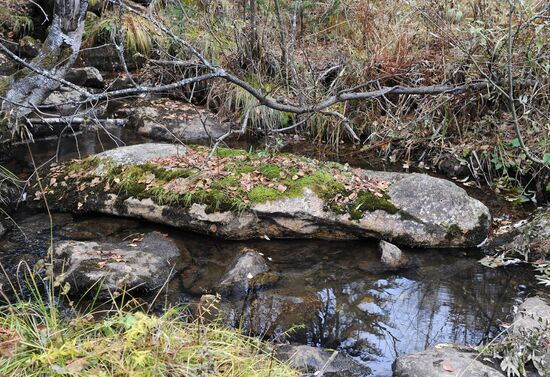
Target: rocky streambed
column 335, row 294
column 290, row 244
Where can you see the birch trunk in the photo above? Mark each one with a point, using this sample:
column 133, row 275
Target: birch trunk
column 27, row 88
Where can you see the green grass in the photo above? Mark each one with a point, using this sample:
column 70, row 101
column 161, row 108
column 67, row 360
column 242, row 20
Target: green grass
column 39, row 338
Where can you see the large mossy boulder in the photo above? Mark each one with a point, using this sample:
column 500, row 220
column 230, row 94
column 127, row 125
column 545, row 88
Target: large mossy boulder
column 236, row 194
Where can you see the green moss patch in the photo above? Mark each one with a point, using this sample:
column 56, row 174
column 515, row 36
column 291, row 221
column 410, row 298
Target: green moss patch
column 232, row 179
column 367, row 201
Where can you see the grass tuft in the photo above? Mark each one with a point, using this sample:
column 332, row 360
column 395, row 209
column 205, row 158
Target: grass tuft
column 45, row 338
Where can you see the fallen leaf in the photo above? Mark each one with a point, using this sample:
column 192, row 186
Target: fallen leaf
column 447, row 367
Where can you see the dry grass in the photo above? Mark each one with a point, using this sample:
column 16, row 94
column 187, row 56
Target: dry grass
column 44, row 337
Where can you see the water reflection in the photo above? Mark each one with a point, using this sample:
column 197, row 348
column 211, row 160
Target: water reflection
column 445, row 298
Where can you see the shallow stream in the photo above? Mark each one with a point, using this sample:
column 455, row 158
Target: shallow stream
column 333, row 294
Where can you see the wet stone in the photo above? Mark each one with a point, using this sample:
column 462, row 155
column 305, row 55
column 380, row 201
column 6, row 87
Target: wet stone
column 443, row 360
column 175, row 121
column 392, row 256
column 146, row 264
column 311, row 360
column 248, row 271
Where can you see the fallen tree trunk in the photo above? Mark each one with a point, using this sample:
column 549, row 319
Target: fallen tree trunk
column 78, row 120
column 27, row 88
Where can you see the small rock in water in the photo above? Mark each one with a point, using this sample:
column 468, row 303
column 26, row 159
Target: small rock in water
column 392, row 256
column 443, row 360
column 248, row 270
column 2, row 230
column 312, row 360
column 111, row 267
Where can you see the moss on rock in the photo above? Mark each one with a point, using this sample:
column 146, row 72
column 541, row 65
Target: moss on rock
column 241, row 180
column 368, row 202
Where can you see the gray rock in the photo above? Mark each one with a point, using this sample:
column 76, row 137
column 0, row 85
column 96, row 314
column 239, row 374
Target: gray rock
column 121, row 83
column 392, row 256
column 443, row 360
column 430, row 212
column 249, row 270
column 62, row 97
column 312, row 359
column 178, row 122
column 65, row 101
column 87, row 76
column 530, row 315
column 29, row 47
column 105, row 58
column 532, row 319
column 10, row 193
column 139, row 154
column 453, row 167
column 111, row 267
column 530, row 240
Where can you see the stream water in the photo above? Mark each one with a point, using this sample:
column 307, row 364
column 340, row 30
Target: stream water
column 337, row 293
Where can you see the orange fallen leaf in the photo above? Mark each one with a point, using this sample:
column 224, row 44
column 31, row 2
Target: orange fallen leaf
column 447, row 367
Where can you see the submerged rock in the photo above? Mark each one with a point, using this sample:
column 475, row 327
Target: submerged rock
column 111, row 267
column 530, row 240
column 392, row 256
column 268, row 313
column 248, row 271
column 3, row 230
column 86, row 76
column 312, row 360
column 443, row 360
column 255, row 196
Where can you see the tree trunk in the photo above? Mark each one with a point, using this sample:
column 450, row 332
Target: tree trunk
column 27, row 88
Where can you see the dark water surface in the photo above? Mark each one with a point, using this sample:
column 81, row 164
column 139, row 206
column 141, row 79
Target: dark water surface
column 338, row 292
